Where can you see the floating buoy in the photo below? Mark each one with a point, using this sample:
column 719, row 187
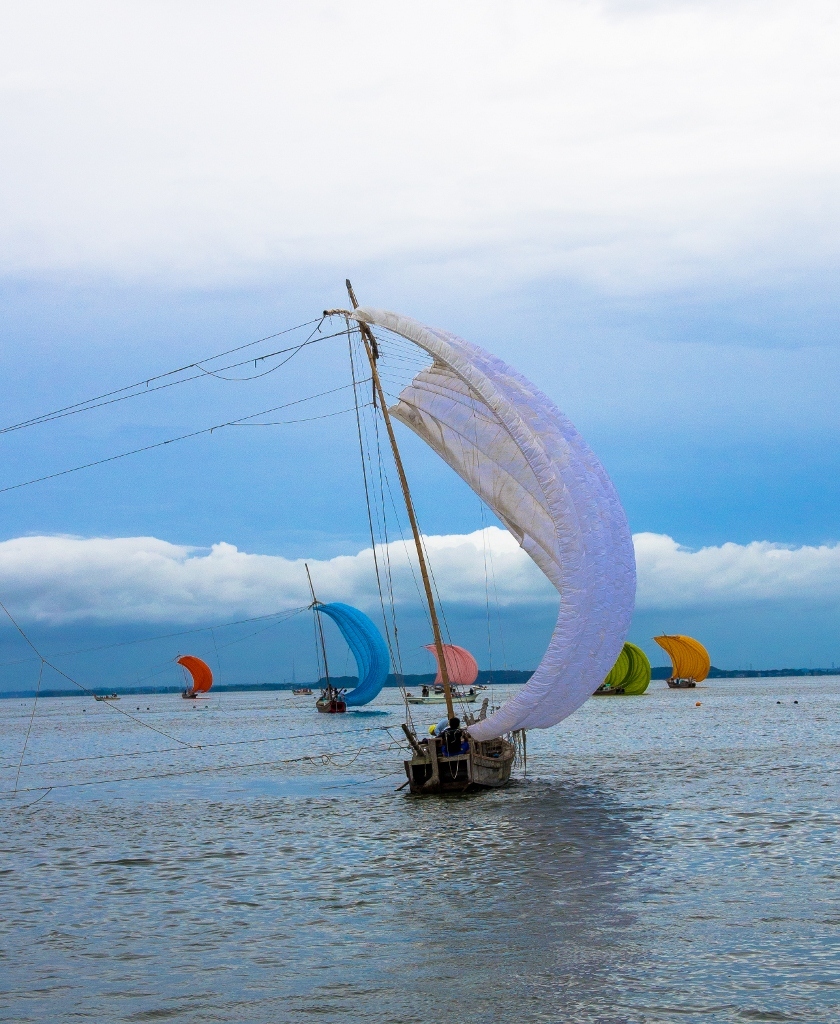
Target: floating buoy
column 698, row 704
column 796, row 702
column 778, row 702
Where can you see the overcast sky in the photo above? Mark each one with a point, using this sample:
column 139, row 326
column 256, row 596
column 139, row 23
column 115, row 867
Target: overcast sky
column 634, row 203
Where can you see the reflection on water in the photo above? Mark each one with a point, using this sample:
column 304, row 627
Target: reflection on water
column 662, row 862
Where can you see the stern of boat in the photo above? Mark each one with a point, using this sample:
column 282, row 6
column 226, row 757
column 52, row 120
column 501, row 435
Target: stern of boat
column 486, row 765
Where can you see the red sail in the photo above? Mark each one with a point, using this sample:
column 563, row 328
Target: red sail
column 202, row 677
column 460, row 664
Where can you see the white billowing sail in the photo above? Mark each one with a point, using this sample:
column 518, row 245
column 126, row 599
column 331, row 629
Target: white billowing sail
column 524, row 458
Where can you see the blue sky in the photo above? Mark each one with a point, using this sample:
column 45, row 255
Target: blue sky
column 632, row 203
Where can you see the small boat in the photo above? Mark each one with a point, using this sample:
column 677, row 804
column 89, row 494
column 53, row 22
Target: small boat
column 690, row 661
column 200, row 675
column 629, row 676
column 330, row 702
column 107, row 696
column 302, row 691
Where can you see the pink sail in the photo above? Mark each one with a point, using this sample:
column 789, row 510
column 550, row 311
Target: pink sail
column 460, row 664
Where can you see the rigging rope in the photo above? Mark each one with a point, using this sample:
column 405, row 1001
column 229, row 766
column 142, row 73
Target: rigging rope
column 88, row 403
column 182, row 437
column 393, row 648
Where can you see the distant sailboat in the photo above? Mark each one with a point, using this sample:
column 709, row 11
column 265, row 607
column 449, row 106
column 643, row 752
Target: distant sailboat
column 629, row 676
column 373, row 662
column 202, row 677
column 463, row 672
column 690, row 662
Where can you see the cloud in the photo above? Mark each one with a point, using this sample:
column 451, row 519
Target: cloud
column 66, row 579
column 630, row 144
column 59, row 580
column 672, row 576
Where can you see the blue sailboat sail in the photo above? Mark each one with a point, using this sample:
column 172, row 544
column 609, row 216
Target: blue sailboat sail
column 369, row 649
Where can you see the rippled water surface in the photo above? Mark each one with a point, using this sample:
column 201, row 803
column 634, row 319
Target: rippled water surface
column 660, row 862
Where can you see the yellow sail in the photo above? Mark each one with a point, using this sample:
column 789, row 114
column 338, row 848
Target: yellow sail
column 689, row 657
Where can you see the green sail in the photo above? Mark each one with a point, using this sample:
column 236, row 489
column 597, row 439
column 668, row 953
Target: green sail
column 631, row 672
column 637, row 679
column 619, row 670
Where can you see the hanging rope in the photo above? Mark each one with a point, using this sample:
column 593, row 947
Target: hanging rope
column 172, row 440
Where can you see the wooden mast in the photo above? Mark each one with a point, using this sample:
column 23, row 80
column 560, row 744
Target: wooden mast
column 372, row 351
column 320, row 628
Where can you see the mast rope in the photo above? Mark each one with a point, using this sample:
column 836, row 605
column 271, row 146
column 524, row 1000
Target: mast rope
column 107, row 397
column 393, row 647
column 242, row 420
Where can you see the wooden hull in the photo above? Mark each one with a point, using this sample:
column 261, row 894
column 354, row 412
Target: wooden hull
column 608, row 692
column 486, row 766
column 681, row 684
column 302, row 693
column 331, row 707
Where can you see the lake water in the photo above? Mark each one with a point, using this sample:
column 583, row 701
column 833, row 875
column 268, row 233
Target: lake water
column 660, row 862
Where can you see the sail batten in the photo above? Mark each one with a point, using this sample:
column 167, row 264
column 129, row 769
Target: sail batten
column 524, row 458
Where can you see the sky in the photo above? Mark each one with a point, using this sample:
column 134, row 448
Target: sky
column 633, row 203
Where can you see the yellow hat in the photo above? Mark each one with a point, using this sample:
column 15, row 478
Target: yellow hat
column 432, row 730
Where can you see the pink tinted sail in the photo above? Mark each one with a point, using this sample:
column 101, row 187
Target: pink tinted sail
column 460, row 664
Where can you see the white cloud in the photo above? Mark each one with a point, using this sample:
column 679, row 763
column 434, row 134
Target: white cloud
column 630, row 143
column 66, row 579
column 141, row 579
column 672, row 576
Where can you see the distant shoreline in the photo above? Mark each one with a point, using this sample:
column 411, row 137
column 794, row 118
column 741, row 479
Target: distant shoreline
column 505, row 677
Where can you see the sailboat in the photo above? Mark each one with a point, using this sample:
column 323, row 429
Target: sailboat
column 200, row 674
column 369, row 649
column 527, row 462
column 629, row 676
column 690, row 661
column 463, row 672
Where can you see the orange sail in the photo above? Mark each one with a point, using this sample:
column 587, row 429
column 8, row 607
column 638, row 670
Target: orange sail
column 460, row 665
column 689, row 657
column 202, row 677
